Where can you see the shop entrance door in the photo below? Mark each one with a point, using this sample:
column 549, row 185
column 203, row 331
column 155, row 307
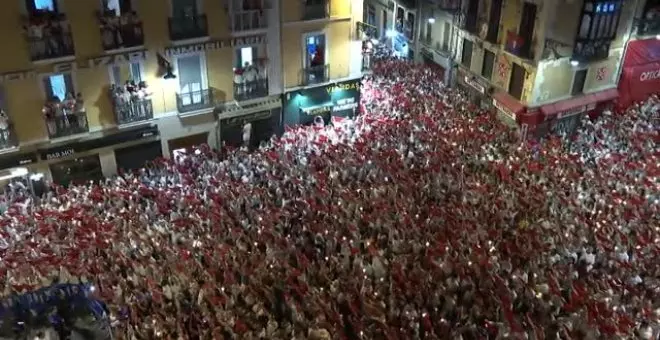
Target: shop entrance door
column 187, row 143
column 77, row 171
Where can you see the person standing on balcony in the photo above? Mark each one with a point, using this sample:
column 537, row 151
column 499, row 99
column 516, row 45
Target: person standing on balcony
column 65, row 32
column 4, row 128
column 239, row 81
column 36, row 37
column 318, row 62
column 250, row 74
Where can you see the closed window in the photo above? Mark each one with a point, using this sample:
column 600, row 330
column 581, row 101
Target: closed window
column 58, row 86
column 192, row 79
column 487, row 67
column 120, row 74
column 371, row 15
column 466, row 56
column 578, row 82
column 517, row 81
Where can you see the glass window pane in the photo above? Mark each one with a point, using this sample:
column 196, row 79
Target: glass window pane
column 246, row 56
column 136, row 72
column 46, row 5
column 58, row 86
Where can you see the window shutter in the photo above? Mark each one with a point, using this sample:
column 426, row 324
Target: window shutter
column 68, row 82
column 48, row 88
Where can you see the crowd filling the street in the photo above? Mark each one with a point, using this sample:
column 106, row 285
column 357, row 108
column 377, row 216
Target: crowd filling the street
column 422, row 218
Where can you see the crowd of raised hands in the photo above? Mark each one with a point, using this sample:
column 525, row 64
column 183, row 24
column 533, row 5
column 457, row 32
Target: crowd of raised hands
column 423, row 218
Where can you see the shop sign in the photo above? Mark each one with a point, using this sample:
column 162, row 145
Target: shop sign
column 345, row 104
column 14, row 161
column 345, row 86
column 317, row 110
column 241, row 120
column 576, row 111
column 19, row 75
column 650, row 75
column 216, row 45
column 504, row 109
column 117, row 138
column 475, row 84
column 106, row 60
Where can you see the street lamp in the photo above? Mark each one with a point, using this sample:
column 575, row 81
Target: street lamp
column 431, row 20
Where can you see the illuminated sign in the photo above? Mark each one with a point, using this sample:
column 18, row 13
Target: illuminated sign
column 343, row 87
column 504, row 110
column 317, row 111
column 216, row 45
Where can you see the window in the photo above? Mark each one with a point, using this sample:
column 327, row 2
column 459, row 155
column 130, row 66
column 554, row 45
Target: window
column 120, row 74
column 245, row 56
column 384, row 31
column 526, row 28
column 184, row 8
column 42, row 5
column 429, row 28
column 599, row 20
column 578, row 82
column 119, row 7
column 371, row 15
column 471, row 18
column 445, row 36
column 466, row 56
column 58, row 86
column 315, row 50
column 494, row 21
column 191, row 72
column 487, row 67
column 517, row 81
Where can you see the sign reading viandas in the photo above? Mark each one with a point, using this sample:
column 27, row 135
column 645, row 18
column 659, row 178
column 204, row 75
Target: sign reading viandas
column 216, row 45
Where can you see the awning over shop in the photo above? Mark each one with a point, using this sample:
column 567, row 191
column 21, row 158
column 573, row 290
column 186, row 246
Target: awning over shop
column 577, row 105
column 506, row 103
column 641, row 71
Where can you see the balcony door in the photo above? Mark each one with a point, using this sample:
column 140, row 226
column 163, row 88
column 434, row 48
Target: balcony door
column 192, row 80
column 185, row 8
column 526, row 29
column 36, row 6
column 315, row 50
column 58, row 86
column 119, row 7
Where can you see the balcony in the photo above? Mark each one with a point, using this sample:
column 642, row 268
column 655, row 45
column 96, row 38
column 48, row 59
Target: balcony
column 366, row 62
column 120, row 32
column 316, row 9
column 65, row 119
column 250, row 89
column 188, row 27
column 316, row 74
column 249, row 20
column 8, row 138
column 131, row 104
column 194, row 101
column 516, row 45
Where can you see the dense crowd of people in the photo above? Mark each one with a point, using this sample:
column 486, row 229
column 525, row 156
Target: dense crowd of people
column 424, row 218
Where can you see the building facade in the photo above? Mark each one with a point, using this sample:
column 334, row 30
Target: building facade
column 395, row 23
column 541, row 64
column 92, row 87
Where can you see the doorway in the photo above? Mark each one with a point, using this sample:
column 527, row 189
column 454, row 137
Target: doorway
column 186, row 143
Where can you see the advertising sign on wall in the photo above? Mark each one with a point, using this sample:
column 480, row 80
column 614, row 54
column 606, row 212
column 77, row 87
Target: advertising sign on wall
column 340, row 100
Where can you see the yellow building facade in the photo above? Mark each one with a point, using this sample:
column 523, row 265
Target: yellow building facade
column 82, row 82
column 541, row 64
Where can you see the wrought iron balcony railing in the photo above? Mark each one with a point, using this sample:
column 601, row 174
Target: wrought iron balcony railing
column 188, row 27
column 316, row 74
column 134, row 110
column 66, row 123
column 116, row 36
column 249, row 20
column 8, row 138
column 251, row 89
column 317, row 9
column 367, row 31
column 50, row 46
column 194, row 100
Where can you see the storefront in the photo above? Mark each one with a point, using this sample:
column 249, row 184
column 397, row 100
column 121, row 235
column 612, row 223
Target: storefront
column 477, row 89
column 564, row 117
column 302, row 106
column 641, row 71
column 184, row 144
column 251, row 128
column 16, row 168
column 94, row 159
column 135, row 157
